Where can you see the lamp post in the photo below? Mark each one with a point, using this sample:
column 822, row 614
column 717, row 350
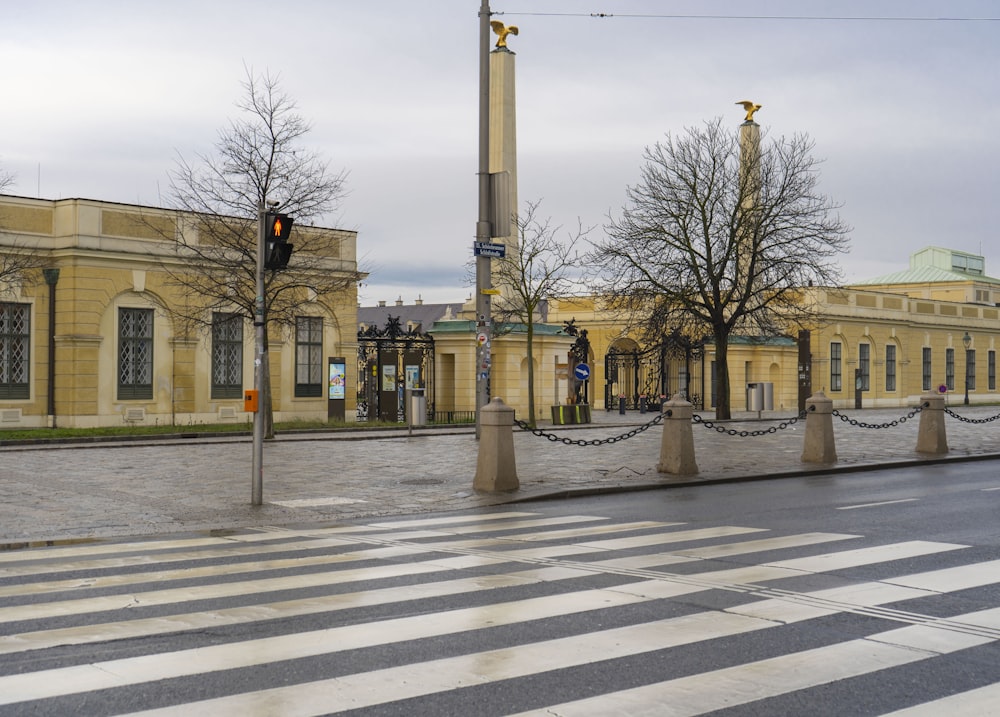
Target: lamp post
column 966, row 342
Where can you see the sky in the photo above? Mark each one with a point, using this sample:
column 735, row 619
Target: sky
column 901, row 98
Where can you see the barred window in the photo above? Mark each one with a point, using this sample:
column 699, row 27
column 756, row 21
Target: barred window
column 308, row 356
column 949, row 369
column 15, row 343
column 927, row 373
column 991, row 369
column 227, row 355
column 135, row 354
column 970, row 369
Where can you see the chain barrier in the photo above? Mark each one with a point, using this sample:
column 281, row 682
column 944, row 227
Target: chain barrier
column 965, row 419
column 594, row 442
column 878, row 426
column 749, row 434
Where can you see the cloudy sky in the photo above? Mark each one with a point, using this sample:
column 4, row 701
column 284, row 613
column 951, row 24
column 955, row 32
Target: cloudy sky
column 900, row 96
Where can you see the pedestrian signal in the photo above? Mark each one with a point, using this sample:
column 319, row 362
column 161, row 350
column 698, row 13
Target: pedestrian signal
column 277, row 250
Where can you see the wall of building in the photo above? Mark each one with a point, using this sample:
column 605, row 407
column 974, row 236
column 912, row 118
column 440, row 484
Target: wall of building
column 113, row 256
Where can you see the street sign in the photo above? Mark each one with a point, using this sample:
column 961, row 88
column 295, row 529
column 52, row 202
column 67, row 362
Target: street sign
column 582, row 371
column 490, row 292
column 485, row 248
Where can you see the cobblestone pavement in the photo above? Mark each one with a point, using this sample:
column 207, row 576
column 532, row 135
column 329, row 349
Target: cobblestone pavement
column 78, row 491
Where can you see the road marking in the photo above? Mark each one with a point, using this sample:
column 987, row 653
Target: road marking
column 974, row 703
column 750, row 682
column 143, row 627
column 873, row 505
column 987, row 490
column 693, row 695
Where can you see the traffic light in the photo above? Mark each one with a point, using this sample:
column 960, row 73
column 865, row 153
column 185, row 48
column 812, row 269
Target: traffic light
column 277, row 250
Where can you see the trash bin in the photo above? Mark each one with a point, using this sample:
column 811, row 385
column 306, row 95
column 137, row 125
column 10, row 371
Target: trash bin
column 642, row 404
column 417, row 407
column 621, row 405
column 760, row 396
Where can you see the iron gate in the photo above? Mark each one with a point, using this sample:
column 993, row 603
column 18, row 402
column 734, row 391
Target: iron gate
column 675, row 366
column 391, row 362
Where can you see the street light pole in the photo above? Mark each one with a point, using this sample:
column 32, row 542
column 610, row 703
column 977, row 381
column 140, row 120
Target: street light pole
column 966, row 342
column 257, row 484
column 484, row 279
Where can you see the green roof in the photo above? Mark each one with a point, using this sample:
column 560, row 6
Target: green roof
column 925, row 275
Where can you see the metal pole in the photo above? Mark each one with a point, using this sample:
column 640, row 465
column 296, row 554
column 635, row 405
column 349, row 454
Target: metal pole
column 257, row 496
column 966, row 377
column 484, row 279
column 52, row 278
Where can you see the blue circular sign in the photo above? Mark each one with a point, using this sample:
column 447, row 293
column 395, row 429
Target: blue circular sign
column 582, row 371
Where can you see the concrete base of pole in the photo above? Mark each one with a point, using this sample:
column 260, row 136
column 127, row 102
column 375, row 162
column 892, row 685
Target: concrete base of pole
column 496, row 471
column 677, row 444
column 932, row 438
column 819, row 444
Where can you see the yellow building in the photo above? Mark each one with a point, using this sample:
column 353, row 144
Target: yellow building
column 116, row 354
column 897, row 337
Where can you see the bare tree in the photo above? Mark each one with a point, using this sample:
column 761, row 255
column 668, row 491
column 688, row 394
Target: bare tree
column 719, row 239
column 18, row 260
column 258, row 159
column 540, row 267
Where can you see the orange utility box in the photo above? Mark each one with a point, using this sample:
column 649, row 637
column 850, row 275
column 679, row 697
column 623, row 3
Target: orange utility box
column 250, row 400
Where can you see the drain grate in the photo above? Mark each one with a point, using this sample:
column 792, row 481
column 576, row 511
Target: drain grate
column 422, row 481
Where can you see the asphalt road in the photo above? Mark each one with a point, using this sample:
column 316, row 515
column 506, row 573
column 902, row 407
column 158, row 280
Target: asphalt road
column 850, row 594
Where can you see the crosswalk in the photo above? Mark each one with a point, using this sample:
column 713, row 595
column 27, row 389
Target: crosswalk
column 505, row 612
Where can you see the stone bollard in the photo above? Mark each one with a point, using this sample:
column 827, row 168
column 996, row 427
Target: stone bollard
column 495, row 468
column 677, row 444
column 819, row 444
column 931, row 437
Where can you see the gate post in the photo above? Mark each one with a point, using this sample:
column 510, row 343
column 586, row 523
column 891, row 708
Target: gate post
column 932, row 438
column 819, row 444
column 496, row 471
column 677, row 443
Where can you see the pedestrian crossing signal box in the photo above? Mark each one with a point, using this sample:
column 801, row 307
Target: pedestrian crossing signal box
column 250, row 402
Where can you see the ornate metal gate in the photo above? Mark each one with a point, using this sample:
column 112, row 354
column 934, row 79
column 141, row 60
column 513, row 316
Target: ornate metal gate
column 674, row 366
column 391, row 362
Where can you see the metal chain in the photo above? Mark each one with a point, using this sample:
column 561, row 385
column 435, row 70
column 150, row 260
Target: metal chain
column 964, row 419
column 595, row 442
column 748, row 434
column 877, row 426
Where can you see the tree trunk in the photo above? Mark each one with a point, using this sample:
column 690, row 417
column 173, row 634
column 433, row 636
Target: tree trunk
column 265, row 390
column 723, row 409
column 531, row 373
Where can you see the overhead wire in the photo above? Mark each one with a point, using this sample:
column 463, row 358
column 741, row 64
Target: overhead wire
column 825, row 18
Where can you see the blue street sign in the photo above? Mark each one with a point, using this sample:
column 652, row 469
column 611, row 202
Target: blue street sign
column 582, row 371
column 484, row 248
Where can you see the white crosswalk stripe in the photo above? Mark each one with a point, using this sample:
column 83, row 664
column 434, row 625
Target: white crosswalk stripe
column 570, row 593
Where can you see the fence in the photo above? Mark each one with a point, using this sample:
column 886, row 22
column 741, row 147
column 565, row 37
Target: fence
column 677, row 447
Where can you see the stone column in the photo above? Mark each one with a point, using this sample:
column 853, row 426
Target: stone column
column 931, row 437
column 819, row 444
column 496, row 471
column 677, row 444
column 503, row 127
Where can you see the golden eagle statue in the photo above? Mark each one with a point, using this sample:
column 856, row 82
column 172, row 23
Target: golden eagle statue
column 502, row 31
column 750, row 107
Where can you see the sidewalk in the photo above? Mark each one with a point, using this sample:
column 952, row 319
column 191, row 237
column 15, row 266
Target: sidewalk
column 95, row 490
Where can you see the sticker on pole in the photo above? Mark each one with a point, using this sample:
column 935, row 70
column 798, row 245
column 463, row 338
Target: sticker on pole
column 582, row 371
